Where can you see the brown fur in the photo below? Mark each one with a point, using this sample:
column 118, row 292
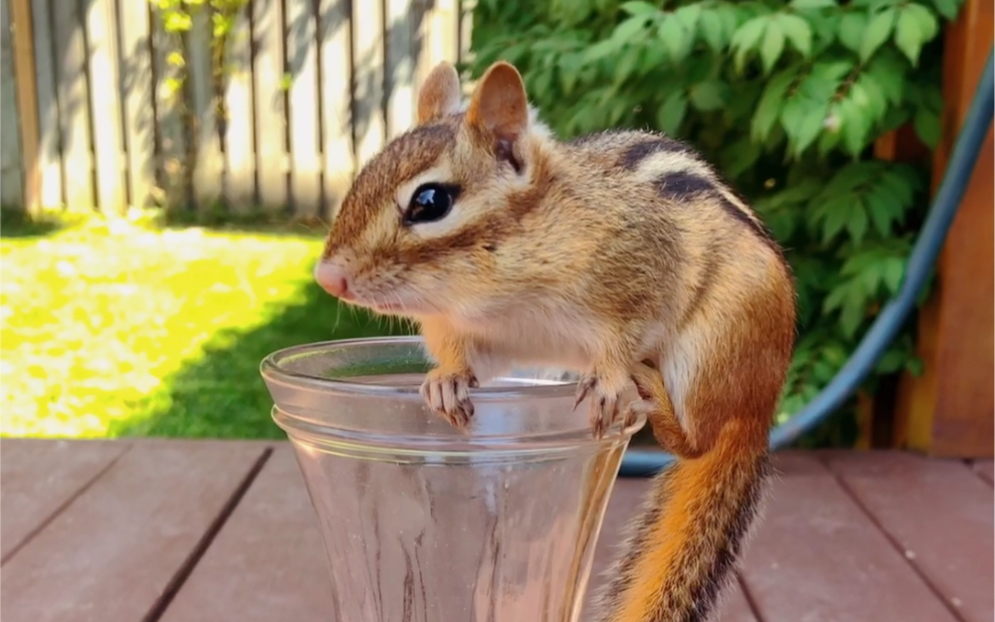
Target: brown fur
column 621, row 254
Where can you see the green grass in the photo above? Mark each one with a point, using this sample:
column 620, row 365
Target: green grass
column 114, row 329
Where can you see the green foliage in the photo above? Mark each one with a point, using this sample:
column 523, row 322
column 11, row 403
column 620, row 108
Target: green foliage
column 786, row 97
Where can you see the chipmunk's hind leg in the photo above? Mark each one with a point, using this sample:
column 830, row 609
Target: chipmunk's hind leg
column 656, row 405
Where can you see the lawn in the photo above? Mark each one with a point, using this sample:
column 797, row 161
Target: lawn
column 110, row 328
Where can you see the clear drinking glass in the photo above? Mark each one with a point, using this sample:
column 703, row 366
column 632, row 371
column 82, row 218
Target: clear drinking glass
column 424, row 523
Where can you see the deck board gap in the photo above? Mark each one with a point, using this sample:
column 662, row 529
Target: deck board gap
column 897, row 546
column 183, row 573
column 754, row 608
column 63, row 507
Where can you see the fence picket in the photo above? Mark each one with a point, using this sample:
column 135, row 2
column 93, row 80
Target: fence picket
column 239, row 145
column 368, row 61
column 399, row 68
column 136, row 97
column 74, row 106
column 101, row 29
column 270, row 92
column 334, row 23
column 208, row 171
column 49, row 140
column 11, row 189
column 302, row 63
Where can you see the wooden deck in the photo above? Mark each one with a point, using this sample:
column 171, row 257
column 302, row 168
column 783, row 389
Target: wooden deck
column 122, row 531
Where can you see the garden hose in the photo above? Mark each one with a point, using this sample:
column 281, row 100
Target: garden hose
column 645, row 463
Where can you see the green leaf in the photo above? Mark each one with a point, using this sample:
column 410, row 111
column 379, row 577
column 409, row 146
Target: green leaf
column 798, row 32
column 927, row 125
column 709, row 95
column 671, row 113
column 851, row 30
column 746, row 37
column 878, row 30
column 803, row 5
column 856, row 224
column 712, row 30
column 688, row 17
column 769, row 107
column 629, row 29
column 601, row 49
column 639, row 8
column 628, row 64
column 773, row 45
column 948, row 8
column 675, row 37
column 802, row 120
column 893, row 273
column 916, row 25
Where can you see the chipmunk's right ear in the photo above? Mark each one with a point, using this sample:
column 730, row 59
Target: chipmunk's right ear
column 440, row 94
column 499, row 106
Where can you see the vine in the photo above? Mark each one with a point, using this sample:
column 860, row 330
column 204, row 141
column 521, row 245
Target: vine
column 178, row 18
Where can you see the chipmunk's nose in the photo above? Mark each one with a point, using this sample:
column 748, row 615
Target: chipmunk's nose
column 332, row 279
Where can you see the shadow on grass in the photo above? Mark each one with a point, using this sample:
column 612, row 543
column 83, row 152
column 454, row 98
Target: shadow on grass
column 222, row 395
column 16, row 223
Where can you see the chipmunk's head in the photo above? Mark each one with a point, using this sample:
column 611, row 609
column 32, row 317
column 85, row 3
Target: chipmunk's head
column 423, row 228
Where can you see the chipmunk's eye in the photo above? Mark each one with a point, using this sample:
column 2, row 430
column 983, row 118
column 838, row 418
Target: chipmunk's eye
column 430, row 202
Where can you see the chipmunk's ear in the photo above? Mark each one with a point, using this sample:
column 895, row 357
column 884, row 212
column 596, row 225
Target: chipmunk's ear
column 440, row 94
column 499, row 105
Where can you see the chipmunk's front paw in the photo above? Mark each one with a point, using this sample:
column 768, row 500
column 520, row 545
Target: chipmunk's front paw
column 605, row 394
column 449, row 395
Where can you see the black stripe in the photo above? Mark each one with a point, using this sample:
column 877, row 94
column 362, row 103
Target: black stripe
column 635, row 154
column 682, row 185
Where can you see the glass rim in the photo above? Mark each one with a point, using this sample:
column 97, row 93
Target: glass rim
column 272, row 369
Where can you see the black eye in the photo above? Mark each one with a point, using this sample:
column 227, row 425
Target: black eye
column 430, row 202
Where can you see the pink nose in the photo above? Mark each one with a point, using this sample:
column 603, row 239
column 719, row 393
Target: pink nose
column 332, row 279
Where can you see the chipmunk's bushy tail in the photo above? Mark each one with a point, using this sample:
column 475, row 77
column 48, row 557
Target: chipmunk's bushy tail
column 684, row 546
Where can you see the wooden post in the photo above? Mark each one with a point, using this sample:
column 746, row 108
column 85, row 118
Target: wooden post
column 948, row 411
column 27, row 99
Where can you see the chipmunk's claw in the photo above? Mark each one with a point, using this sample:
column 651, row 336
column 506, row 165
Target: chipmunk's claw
column 604, row 406
column 449, row 395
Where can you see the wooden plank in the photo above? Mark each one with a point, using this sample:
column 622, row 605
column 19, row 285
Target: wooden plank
column 271, row 122
column 209, row 164
column 38, row 477
column 949, row 410
column 108, row 143
column 938, row 513
column 984, row 469
column 368, row 60
column 623, row 507
column 114, row 551
column 400, row 68
column 818, row 556
column 239, row 144
column 304, row 107
column 171, row 152
column 11, row 188
column 50, row 193
column 74, row 104
column 334, row 19
column 268, row 562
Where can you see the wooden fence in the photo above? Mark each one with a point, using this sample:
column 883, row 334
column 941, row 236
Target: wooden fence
column 316, row 87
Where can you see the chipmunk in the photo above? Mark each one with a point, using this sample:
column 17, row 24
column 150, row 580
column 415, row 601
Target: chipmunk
column 622, row 255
